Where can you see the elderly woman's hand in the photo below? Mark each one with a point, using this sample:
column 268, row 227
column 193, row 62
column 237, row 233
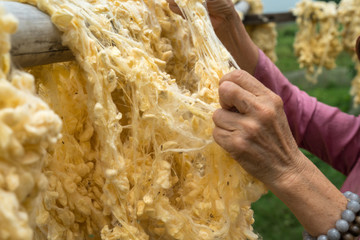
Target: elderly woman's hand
column 253, row 128
column 230, row 30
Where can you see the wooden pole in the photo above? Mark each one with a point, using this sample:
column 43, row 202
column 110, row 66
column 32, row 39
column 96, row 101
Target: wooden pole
column 37, row 41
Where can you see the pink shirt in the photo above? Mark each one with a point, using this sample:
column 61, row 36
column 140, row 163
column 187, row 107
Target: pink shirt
column 325, row 131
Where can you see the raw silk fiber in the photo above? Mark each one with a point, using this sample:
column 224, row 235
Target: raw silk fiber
column 135, row 158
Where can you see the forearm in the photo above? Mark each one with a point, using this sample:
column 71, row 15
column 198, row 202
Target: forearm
column 236, row 40
column 312, row 198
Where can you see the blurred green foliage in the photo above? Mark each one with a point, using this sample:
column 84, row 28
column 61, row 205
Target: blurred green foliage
column 337, row 1
column 273, row 220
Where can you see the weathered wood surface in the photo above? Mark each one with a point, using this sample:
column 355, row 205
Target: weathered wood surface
column 37, row 41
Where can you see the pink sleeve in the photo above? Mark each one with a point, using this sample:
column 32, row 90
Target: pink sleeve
column 325, row 131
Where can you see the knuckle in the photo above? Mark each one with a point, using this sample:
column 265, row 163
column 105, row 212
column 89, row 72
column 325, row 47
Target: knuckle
column 238, row 143
column 233, row 76
column 268, row 113
column 226, row 89
column 252, row 128
column 238, row 74
column 245, row 106
column 271, row 108
column 278, row 102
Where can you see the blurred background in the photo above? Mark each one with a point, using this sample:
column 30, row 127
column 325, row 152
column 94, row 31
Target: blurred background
column 278, row 5
column 271, row 6
column 273, row 220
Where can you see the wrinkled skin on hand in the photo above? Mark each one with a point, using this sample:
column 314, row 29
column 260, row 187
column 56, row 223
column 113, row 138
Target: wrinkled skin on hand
column 252, row 127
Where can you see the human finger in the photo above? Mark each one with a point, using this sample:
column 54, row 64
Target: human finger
column 226, row 119
column 233, row 96
column 231, row 141
column 245, row 81
column 223, row 138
